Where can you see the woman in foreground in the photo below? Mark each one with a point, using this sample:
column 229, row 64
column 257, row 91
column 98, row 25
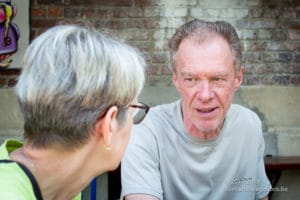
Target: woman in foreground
column 78, row 93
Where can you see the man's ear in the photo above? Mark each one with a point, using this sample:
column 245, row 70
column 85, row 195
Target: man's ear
column 239, row 78
column 107, row 125
column 175, row 81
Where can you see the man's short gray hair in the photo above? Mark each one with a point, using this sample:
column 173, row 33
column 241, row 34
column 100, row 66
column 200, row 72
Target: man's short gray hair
column 71, row 76
column 201, row 30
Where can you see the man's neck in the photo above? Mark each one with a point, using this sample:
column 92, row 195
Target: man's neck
column 204, row 135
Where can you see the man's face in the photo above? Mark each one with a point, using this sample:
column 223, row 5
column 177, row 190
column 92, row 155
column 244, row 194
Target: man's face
column 206, row 80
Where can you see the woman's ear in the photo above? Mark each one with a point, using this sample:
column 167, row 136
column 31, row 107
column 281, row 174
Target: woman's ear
column 107, row 125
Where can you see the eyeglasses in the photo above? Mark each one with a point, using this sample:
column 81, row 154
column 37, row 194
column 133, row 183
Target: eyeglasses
column 140, row 112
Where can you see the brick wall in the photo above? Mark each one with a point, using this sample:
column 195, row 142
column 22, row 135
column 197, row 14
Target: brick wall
column 269, row 29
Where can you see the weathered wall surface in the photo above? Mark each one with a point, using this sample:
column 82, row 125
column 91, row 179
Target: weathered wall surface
column 11, row 121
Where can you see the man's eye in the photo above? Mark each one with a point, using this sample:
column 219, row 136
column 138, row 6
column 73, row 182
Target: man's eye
column 189, row 79
column 217, row 79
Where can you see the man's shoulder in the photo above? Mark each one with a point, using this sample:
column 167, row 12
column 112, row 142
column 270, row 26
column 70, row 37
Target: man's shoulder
column 164, row 109
column 243, row 112
column 168, row 105
column 242, row 109
column 243, row 121
column 160, row 116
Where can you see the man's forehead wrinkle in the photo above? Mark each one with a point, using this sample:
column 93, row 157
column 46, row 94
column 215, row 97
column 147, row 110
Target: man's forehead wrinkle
column 186, row 73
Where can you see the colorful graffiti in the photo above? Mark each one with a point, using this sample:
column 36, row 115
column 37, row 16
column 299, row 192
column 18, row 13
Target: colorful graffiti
column 9, row 32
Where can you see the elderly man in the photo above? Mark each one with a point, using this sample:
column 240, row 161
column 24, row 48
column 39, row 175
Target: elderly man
column 201, row 146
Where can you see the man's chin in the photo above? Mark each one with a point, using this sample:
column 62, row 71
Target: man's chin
column 210, row 128
column 207, row 130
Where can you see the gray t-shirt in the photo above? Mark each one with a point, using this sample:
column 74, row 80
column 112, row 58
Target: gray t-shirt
column 163, row 160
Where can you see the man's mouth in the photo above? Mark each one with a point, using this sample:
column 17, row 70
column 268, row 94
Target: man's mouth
column 206, row 110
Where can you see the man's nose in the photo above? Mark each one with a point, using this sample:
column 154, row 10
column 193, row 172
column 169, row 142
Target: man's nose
column 205, row 91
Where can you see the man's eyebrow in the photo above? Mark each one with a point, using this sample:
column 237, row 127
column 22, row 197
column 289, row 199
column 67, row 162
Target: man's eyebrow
column 223, row 74
column 187, row 74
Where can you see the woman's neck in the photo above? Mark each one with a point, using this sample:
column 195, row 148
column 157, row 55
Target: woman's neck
column 60, row 174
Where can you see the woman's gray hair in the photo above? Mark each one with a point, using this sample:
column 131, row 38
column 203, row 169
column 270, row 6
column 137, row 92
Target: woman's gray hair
column 201, row 30
column 71, row 76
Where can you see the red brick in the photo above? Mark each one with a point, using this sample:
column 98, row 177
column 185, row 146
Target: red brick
column 117, row 24
column 159, row 58
column 120, row 12
column 294, row 34
column 38, row 12
column 136, row 23
column 121, row 2
column 165, row 70
column 253, row 69
column 2, row 82
column 152, row 23
column 71, row 12
column 294, row 25
column 136, row 12
column 267, row 79
column 34, row 33
column 12, row 82
column 32, row 3
column 254, row 45
column 295, row 68
column 295, row 3
column 105, row 13
column 43, row 23
column 153, row 69
column 295, row 80
column 10, row 72
column 251, row 80
column 279, row 35
column 49, row 1
column 276, row 68
column 101, row 2
column 282, row 79
column 143, row 45
column 67, row 2
column 298, row 14
column 55, row 11
column 271, row 13
column 252, row 57
column 88, row 12
column 144, row 3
